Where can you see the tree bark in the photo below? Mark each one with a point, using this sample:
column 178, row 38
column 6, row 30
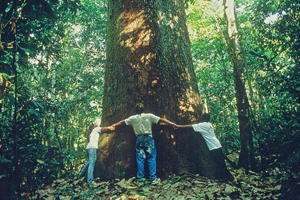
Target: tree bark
column 246, row 158
column 3, row 86
column 149, row 61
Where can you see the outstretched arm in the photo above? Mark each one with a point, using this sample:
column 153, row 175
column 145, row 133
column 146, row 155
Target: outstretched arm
column 166, row 121
column 112, row 128
column 108, row 129
column 119, row 123
column 182, row 126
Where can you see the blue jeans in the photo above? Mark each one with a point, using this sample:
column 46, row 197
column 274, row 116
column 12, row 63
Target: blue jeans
column 145, row 149
column 90, row 165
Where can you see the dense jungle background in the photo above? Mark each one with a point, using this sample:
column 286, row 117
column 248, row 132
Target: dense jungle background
column 52, row 60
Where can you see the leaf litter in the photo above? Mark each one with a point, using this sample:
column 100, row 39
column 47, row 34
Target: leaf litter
column 186, row 186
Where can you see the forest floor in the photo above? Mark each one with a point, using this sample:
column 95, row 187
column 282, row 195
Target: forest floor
column 249, row 185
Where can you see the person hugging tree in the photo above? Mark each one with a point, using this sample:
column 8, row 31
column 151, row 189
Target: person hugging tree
column 92, row 138
column 145, row 146
column 207, row 131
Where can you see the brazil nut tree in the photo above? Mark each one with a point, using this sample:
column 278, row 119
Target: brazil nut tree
column 149, row 61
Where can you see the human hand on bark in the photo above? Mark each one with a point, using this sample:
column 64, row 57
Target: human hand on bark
column 108, row 129
column 112, row 128
column 175, row 126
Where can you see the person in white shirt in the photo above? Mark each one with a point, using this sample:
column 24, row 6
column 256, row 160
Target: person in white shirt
column 145, row 146
column 91, row 148
column 207, row 131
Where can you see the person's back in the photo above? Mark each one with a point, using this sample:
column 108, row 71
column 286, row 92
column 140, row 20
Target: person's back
column 145, row 145
column 207, row 131
column 205, row 128
column 142, row 123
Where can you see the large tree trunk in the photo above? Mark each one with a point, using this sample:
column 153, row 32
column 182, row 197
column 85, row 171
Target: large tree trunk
column 246, row 158
column 149, row 61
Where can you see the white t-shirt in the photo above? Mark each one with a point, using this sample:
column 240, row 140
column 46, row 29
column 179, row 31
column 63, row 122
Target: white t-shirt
column 142, row 123
column 94, row 137
column 207, row 131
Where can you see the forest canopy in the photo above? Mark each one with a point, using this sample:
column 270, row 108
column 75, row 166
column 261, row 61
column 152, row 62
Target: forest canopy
column 52, row 61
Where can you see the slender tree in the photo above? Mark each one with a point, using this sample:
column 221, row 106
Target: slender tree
column 3, row 86
column 149, row 61
column 246, row 158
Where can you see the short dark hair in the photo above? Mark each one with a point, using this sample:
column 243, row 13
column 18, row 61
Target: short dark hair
column 89, row 131
column 139, row 108
column 205, row 117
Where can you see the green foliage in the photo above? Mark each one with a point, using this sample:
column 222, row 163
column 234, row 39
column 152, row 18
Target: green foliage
column 59, row 59
column 273, row 70
column 277, row 74
column 213, row 71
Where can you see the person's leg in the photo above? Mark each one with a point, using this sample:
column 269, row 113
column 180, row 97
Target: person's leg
column 140, row 157
column 92, row 162
column 218, row 157
column 84, row 169
column 151, row 157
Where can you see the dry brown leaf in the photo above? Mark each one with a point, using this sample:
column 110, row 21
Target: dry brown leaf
column 198, row 182
column 214, row 189
column 50, row 197
column 209, row 195
column 277, row 187
column 228, row 190
column 121, row 183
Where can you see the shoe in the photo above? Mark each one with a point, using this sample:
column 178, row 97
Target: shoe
column 93, row 184
column 155, row 181
column 140, row 181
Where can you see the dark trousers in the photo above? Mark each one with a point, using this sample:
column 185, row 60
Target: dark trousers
column 218, row 157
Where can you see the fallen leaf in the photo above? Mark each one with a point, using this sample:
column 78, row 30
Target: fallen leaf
column 121, row 183
column 40, row 161
column 228, row 190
